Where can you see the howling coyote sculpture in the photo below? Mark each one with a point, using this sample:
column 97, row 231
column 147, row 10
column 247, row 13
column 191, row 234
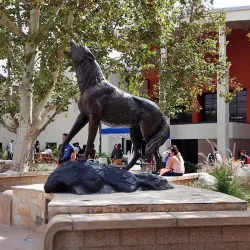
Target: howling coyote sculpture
column 100, row 101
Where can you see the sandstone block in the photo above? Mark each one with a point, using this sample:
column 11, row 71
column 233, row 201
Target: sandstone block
column 189, row 246
column 221, row 246
column 94, row 238
column 239, row 233
column 142, row 236
column 59, row 223
column 243, row 246
column 69, row 239
column 205, row 234
column 172, row 235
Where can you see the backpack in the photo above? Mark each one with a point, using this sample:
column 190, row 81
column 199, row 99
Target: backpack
column 213, row 157
column 248, row 159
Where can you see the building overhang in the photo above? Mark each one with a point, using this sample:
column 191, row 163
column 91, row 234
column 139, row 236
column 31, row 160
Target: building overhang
column 237, row 17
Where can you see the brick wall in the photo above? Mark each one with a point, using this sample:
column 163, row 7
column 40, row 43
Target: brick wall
column 185, row 238
column 240, row 144
column 205, row 148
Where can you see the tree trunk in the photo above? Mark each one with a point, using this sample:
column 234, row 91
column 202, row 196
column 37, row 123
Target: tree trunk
column 27, row 124
column 22, row 145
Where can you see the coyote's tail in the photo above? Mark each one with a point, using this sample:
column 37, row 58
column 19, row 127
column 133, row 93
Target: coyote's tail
column 158, row 138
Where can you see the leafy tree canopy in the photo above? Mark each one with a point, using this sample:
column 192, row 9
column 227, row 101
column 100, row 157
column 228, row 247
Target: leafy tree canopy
column 34, row 34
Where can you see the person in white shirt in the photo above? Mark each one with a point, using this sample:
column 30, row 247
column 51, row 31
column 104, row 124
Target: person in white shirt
column 176, row 164
column 214, row 157
column 48, row 151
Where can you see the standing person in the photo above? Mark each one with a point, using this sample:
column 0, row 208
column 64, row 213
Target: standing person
column 76, row 148
column 214, row 157
column 113, row 152
column 9, row 149
column 245, row 159
column 118, row 152
column 69, row 152
column 118, row 155
column 176, row 164
column 37, row 147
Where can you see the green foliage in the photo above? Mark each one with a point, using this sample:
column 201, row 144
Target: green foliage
column 43, row 167
column 104, row 155
column 190, row 167
column 55, row 152
column 227, row 183
column 4, row 155
column 224, row 176
column 192, row 63
column 137, row 29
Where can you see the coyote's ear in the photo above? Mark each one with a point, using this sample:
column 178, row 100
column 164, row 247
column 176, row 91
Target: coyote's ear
column 89, row 55
column 69, row 54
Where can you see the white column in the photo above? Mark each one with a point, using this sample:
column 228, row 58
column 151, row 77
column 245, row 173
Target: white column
column 222, row 107
column 167, row 144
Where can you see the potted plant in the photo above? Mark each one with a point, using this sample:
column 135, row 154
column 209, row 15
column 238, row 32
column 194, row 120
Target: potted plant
column 103, row 158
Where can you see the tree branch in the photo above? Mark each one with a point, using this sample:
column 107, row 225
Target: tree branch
column 6, row 126
column 4, row 20
column 19, row 19
column 60, row 56
column 111, row 66
column 51, row 23
column 46, row 111
column 49, row 121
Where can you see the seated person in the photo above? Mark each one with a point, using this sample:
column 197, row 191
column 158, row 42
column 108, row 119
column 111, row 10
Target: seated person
column 82, row 150
column 244, row 158
column 48, row 151
column 176, row 164
column 166, row 158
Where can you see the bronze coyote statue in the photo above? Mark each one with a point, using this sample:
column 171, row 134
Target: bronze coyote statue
column 100, row 101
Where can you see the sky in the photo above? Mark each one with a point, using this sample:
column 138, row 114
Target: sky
column 217, row 4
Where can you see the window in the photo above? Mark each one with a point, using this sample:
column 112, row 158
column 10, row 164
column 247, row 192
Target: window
column 15, row 89
column 182, row 118
column 237, row 108
column 209, row 107
column 52, row 145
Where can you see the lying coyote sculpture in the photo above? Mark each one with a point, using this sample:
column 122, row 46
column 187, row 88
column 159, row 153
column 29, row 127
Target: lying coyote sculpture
column 100, row 101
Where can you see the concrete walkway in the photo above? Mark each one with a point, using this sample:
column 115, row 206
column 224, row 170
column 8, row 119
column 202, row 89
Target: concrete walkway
column 18, row 239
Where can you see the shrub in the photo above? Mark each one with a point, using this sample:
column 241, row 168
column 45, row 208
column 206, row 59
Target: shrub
column 55, row 152
column 190, row 167
column 4, row 155
column 227, row 182
column 104, row 155
column 43, row 167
